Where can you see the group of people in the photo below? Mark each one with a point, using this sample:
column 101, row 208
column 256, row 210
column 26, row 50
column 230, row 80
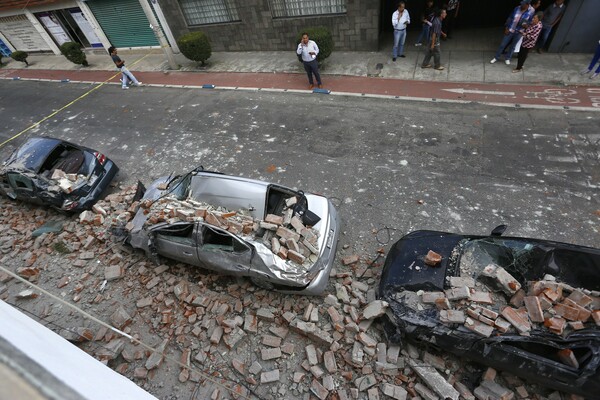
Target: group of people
column 525, row 28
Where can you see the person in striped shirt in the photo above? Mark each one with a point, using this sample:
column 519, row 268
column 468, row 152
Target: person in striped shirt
column 530, row 37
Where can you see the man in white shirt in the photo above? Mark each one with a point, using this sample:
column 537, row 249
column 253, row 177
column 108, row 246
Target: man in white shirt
column 400, row 20
column 309, row 50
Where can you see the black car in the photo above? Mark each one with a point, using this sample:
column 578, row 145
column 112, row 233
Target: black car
column 56, row 173
column 558, row 350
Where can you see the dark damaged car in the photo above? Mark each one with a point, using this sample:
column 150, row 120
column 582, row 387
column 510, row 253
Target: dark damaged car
column 282, row 239
column 527, row 306
column 56, row 173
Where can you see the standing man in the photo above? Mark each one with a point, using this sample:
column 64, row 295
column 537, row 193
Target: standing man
column 552, row 16
column 426, row 19
column 400, row 20
column 452, row 7
column 433, row 48
column 126, row 75
column 517, row 20
column 309, row 50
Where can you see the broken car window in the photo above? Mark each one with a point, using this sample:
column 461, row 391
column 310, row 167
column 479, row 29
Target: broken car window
column 213, row 239
column 519, row 258
column 179, row 234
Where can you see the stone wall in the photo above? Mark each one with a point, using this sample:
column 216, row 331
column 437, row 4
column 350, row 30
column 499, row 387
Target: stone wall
column 356, row 30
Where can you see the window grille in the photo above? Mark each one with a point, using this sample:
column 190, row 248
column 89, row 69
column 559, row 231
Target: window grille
column 296, row 8
column 202, row 12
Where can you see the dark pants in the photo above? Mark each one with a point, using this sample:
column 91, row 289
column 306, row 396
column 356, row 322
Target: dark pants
column 436, row 56
column 312, row 67
column 523, row 53
column 448, row 23
column 595, row 60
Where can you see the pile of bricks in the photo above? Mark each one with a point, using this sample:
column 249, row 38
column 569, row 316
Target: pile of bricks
column 285, row 234
column 498, row 303
column 66, row 182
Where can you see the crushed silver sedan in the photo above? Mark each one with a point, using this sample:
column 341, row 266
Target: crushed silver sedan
column 280, row 238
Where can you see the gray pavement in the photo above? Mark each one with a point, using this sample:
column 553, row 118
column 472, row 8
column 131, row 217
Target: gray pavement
column 466, row 58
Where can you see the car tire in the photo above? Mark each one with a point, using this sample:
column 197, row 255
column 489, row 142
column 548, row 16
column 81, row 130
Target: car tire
column 261, row 283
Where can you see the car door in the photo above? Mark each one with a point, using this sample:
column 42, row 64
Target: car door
column 23, row 187
column 220, row 250
column 178, row 241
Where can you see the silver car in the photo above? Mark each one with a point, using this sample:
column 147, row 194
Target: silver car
column 280, row 238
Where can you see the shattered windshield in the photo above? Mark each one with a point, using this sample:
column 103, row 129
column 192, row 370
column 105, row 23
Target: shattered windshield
column 179, row 186
column 524, row 260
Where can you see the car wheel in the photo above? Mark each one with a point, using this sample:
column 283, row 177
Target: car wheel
column 261, row 283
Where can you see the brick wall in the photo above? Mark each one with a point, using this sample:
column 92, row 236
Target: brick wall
column 357, row 30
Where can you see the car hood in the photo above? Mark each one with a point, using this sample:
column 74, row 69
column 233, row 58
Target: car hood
column 405, row 264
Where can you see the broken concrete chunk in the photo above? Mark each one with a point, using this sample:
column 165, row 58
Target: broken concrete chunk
column 375, row 309
column 393, row 391
column 365, row 382
column 156, row 358
column 350, row 259
column 432, row 297
column 452, row 316
column 460, row 281
column 434, row 380
column 458, row 293
column 269, row 376
column 500, row 279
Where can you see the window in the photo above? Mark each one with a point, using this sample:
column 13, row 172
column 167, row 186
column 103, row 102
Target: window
column 294, row 8
column 214, row 239
column 181, row 234
column 202, row 12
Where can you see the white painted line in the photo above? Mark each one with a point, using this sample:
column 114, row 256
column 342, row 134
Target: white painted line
column 474, row 91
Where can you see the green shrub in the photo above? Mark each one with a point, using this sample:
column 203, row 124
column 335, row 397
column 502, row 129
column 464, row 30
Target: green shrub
column 73, row 52
column 20, row 56
column 322, row 37
column 195, row 46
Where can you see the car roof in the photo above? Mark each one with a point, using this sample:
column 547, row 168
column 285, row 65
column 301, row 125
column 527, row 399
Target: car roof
column 32, row 154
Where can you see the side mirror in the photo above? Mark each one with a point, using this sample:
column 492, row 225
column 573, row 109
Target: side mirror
column 499, row 230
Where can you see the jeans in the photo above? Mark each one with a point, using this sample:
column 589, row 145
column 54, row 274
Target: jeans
column 312, row 67
column 424, row 34
column 509, row 40
column 399, row 39
column 435, row 52
column 595, row 60
column 128, row 76
column 544, row 34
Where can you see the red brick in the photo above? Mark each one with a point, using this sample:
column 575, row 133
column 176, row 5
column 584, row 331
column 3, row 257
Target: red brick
column 512, row 316
column 350, row 259
column 432, row 258
column 596, row 316
column 532, row 303
column 567, row 357
column 555, row 324
column 569, row 313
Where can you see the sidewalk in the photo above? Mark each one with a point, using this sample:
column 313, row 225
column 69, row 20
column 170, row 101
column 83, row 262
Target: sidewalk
column 466, row 59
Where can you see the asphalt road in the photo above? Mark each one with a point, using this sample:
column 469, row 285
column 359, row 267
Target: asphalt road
column 471, row 166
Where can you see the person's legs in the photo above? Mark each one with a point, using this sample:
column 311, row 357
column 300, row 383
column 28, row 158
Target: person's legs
column 423, row 34
column 543, row 38
column 124, row 77
column 449, row 20
column 514, row 39
column 308, row 70
column 130, row 76
column 522, row 57
column 595, row 59
column 436, row 57
column 427, row 58
column 396, row 40
column 505, row 41
column 315, row 70
column 401, row 43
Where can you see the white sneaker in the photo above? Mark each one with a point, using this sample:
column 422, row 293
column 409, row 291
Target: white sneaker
column 493, row 61
column 125, row 87
column 507, row 62
column 417, row 44
column 138, row 84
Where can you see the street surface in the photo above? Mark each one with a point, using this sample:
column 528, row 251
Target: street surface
column 583, row 98
column 391, row 166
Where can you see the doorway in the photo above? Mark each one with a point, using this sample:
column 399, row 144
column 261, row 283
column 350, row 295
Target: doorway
column 69, row 25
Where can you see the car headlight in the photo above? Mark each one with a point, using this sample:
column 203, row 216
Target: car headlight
column 69, row 204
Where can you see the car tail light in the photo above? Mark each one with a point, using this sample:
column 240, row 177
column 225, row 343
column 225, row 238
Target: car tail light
column 100, row 157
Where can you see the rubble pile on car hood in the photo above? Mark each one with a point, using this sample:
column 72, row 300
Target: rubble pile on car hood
column 498, row 303
column 285, row 235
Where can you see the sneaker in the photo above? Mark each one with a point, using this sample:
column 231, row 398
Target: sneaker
column 517, row 70
column 394, row 59
column 493, row 60
column 585, row 71
column 417, row 44
column 426, row 66
column 594, row 75
column 507, row 62
column 440, row 68
column 125, row 87
column 138, row 84
column 403, row 56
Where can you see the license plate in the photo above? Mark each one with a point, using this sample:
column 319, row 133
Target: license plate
column 330, row 238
